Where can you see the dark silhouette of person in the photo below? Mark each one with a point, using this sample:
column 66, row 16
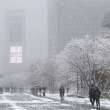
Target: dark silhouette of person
column 44, row 91
column 97, row 97
column 62, row 92
column 94, row 95
column 40, row 91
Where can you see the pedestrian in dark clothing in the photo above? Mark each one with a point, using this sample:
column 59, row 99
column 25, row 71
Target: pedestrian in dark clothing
column 94, row 95
column 44, row 91
column 62, row 92
column 97, row 97
column 40, row 91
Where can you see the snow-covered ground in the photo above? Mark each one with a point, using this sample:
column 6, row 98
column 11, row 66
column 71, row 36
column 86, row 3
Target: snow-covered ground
column 104, row 102
column 26, row 101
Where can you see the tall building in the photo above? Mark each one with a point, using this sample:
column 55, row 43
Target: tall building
column 23, row 34
column 74, row 18
column 52, row 27
column 15, row 51
column 106, row 21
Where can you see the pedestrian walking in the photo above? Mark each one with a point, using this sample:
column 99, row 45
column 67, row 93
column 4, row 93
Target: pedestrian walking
column 62, row 92
column 40, row 91
column 94, row 95
column 44, row 91
column 97, row 97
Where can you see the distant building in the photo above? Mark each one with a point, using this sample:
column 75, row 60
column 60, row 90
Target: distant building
column 14, row 59
column 23, row 35
column 52, row 28
column 74, row 18
column 106, row 21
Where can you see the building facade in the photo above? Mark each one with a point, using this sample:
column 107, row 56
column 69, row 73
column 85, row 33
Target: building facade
column 74, row 18
column 23, row 35
column 15, row 51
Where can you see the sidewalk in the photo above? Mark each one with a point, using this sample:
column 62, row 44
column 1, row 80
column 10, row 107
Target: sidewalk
column 105, row 103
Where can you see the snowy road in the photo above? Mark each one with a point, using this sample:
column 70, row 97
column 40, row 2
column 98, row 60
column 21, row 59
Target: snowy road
column 29, row 102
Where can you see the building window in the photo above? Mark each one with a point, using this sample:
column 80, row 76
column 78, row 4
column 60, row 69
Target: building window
column 16, row 54
column 15, row 25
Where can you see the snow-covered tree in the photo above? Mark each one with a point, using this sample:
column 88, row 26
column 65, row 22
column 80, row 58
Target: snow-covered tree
column 44, row 74
column 86, row 57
